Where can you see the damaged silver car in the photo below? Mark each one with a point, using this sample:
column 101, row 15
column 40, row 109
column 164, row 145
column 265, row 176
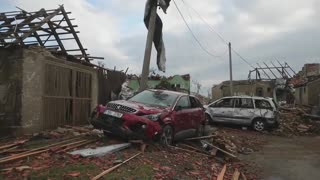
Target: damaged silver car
column 258, row 112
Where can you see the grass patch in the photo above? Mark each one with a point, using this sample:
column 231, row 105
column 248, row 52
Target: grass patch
column 86, row 171
column 132, row 171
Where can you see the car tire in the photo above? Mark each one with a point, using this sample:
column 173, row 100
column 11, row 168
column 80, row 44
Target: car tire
column 166, row 137
column 259, row 125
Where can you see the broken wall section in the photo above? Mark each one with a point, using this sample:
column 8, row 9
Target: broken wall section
column 56, row 92
column 10, row 88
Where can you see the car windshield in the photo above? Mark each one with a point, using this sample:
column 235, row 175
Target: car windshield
column 155, row 98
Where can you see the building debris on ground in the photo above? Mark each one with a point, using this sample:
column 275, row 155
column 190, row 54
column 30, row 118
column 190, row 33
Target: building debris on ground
column 296, row 121
column 100, row 151
column 80, row 147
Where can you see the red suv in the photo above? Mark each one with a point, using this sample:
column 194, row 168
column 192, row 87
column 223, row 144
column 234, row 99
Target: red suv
column 153, row 115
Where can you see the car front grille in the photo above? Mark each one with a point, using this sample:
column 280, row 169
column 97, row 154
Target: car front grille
column 121, row 108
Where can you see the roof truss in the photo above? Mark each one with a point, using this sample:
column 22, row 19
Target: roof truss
column 47, row 28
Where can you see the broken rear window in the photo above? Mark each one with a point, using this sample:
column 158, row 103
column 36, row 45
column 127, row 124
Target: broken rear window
column 155, row 98
column 262, row 104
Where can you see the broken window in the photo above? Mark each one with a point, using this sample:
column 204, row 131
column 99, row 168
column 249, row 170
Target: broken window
column 244, row 103
column 225, row 103
column 269, row 89
column 194, row 102
column 262, row 104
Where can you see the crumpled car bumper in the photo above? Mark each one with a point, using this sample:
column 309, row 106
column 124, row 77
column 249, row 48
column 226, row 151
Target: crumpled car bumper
column 130, row 126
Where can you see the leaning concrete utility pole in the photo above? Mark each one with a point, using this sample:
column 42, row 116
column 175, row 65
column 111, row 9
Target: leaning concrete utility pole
column 230, row 64
column 148, row 50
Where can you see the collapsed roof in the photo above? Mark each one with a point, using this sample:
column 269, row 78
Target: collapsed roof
column 51, row 29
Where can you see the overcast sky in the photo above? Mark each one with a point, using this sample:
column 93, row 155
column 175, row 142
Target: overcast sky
column 260, row 30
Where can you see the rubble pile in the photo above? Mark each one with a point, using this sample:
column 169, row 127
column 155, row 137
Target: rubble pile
column 238, row 141
column 68, row 131
column 71, row 152
column 33, row 153
column 294, row 122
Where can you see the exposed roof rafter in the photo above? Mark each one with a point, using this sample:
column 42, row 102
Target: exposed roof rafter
column 46, row 28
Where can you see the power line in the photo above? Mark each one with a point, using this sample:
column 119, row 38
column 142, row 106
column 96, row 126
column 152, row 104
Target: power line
column 218, row 34
column 193, row 35
column 242, row 58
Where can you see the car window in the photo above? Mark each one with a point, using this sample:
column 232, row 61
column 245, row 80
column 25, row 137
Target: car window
column 199, row 103
column 224, row 103
column 263, row 104
column 194, row 102
column 183, row 103
column 244, row 103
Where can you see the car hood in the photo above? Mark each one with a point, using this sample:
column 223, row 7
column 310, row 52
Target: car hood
column 141, row 108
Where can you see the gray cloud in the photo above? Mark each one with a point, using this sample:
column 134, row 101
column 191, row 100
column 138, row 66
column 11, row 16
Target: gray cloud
column 259, row 30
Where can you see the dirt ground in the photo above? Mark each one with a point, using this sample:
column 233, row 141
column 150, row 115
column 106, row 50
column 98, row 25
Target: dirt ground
column 288, row 158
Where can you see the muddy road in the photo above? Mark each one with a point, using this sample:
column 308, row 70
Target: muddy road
column 288, row 158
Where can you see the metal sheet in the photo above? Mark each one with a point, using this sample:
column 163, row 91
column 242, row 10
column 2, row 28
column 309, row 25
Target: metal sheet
column 100, row 151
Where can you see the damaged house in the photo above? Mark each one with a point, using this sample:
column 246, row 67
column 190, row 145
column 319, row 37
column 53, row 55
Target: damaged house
column 44, row 84
column 269, row 81
column 176, row 82
column 307, row 85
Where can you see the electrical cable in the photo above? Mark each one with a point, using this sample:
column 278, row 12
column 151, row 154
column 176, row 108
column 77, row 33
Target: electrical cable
column 218, row 34
column 193, row 35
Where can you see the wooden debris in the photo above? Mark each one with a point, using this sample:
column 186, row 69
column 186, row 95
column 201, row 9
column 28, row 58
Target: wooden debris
column 226, row 152
column 194, row 152
column 223, row 171
column 75, row 145
column 73, row 174
column 81, row 129
column 21, row 168
column 200, row 138
column 19, row 156
column 236, row 175
column 114, row 167
column 14, row 151
column 12, row 144
column 55, row 144
column 8, row 150
column 38, row 151
column 193, row 148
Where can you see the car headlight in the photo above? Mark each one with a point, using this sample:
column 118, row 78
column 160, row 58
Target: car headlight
column 153, row 117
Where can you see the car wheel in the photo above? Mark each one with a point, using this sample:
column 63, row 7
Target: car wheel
column 259, row 125
column 167, row 135
column 201, row 130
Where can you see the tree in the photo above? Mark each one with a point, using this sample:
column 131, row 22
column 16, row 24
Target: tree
column 197, row 85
